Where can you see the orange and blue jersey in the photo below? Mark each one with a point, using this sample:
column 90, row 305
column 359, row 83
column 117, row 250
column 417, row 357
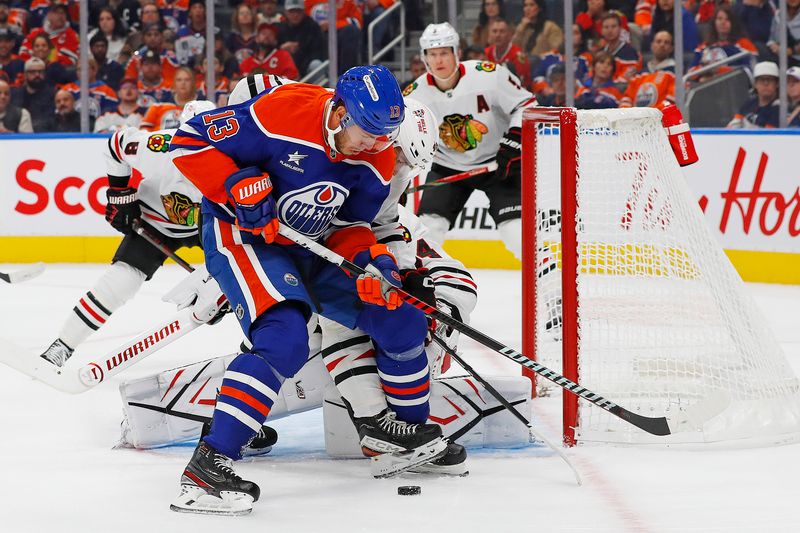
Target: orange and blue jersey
column 316, row 189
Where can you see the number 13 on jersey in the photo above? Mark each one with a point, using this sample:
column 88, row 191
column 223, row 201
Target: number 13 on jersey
column 221, row 125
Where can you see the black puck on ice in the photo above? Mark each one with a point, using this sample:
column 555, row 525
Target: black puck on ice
column 409, row 490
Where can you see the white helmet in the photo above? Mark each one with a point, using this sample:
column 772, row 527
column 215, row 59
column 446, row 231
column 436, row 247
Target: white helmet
column 195, row 107
column 439, row 36
column 418, row 135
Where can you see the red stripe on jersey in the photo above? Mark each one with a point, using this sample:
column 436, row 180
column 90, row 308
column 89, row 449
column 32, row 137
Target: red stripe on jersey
column 397, row 391
column 188, row 141
column 463, row 280
column 244, row 397
column 92, row 312
column 263, row 300
column 116, row 147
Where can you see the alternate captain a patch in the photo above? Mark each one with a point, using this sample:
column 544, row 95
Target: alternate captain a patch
column 309, row 210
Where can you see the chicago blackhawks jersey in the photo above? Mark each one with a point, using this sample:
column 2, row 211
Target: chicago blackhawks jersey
column 473, row 116
column 169, row 202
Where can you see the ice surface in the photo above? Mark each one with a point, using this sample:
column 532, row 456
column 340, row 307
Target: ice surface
column 60, row 473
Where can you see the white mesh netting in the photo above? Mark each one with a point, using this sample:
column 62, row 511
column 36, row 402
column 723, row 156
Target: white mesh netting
column 664, row 319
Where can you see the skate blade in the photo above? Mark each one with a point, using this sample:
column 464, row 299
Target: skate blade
column 256, row 452
column 391, row 464
column 196, row 500
column 441, row 470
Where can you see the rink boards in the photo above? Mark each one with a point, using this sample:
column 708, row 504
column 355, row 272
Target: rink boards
column 52, row 199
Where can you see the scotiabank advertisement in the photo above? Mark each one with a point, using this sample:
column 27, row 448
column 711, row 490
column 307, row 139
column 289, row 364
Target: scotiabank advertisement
column 747, row 184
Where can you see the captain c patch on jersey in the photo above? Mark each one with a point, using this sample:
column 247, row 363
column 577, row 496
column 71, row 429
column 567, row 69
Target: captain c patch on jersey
column 309, row 210
column 461, row 132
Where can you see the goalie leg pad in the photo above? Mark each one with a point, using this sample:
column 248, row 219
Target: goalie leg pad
column 119, row 284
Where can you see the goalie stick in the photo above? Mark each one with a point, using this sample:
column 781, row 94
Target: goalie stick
column 688, row 420
column 24, row 274
column 491, row 167
column 505, row 403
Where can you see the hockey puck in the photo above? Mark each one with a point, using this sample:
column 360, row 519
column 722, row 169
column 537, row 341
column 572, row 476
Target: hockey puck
column 409, row 490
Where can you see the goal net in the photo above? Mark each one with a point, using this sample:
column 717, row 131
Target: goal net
column 626, row 291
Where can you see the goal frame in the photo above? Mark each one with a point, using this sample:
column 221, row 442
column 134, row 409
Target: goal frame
column 566, row 119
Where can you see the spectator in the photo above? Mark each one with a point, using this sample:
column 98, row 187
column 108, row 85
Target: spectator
column 372, row 10
column 763, row 109
column 554, row 93
column 153, row 87
column 490, row 10
column 6, row 22
column 130, row 12
column 110, row 72
column 66, row 118
column 534, row 34
column 501, row 50
column 230, row 67
column 127, row 113
column 268, row 57
column 583, row 61
column 725, row 39
column 599, row 91
column 222, row 89
column 473, row 52
column 301, row 36
column 174, row 13
column 591, row 24
column 167, row 114
column 241, row 41
column 793, row 93
column 416, row 68
column 56, row 27
column 268, row 12
column 656, row 86
column 11, row 66
column 13, row 119
column 35, row 95
column 792, row 29
column 627, row 59
column 190, row 41
column 109, row 25
column 102, row 98
column 664, row 20
column 153, row 41
column 756, row 17
column 55, row 73
column 349, row 22
column 150, row 16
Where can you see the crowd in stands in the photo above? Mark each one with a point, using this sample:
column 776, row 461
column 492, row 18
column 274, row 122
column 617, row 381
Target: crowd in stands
column 147, row 57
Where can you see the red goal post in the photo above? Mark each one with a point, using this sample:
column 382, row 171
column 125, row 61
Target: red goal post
column 626, row 291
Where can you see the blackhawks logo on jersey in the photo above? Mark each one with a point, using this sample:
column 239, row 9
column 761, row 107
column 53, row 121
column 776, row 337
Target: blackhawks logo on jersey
column 462, row 132
column 159, row 142
column 179, row 208
column 409, row 89
column 486, row 66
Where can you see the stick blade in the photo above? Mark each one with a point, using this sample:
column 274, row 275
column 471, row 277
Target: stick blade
column 63, row 379
column 24, row 274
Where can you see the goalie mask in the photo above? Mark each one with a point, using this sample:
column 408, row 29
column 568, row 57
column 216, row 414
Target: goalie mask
column 418, row 135
column 439, row 36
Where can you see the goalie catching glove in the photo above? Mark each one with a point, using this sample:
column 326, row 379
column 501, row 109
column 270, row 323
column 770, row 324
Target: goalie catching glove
column 250, row 192
column 376, row 286
column 509, row 155
column 122, row 208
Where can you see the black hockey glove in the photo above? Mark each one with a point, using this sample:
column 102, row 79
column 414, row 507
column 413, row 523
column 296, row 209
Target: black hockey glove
column 509, row 155
column 419, row 284
column 122, row 208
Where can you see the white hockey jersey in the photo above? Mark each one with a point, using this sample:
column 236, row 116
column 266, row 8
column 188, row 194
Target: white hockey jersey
column 169, row 202
column 474, row 114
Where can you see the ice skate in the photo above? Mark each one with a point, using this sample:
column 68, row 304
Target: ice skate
column 209, row 485
column 57, row 353
column 452, row 463
column 396, row 446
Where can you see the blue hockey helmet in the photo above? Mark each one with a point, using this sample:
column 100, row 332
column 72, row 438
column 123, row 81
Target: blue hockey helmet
column 372, row 98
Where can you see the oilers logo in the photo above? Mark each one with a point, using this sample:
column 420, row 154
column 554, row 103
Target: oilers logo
column 647, row 95
column 310, row 210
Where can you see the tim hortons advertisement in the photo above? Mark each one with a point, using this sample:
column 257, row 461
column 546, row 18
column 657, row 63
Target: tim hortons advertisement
column 747, row 185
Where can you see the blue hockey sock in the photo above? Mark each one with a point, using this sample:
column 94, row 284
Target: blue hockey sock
column 406, row 385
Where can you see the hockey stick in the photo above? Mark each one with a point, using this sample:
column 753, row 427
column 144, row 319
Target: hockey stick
column 690, row 419
column 505, row 403
column 75, row 379
column 23, row 275
column 491, row 167
column 156, row 242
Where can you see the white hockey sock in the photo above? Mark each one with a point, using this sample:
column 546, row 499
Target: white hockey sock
column 511, row 234
column 118, row 285
column 438, row 227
